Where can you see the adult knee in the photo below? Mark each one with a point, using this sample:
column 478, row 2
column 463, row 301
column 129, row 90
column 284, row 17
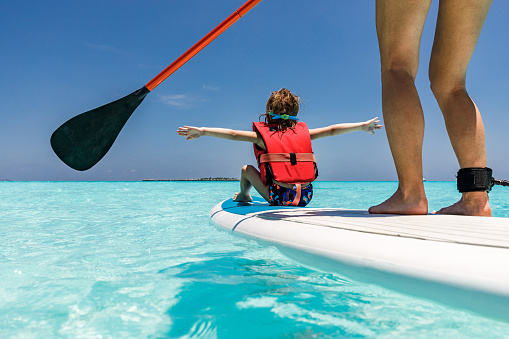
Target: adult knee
column 398, row 71
column 445, row 86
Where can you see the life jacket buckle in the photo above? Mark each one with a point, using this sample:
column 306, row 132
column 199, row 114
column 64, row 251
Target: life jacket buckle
column 293, row 159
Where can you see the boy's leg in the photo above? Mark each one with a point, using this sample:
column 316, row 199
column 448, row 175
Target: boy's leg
column 251, row 177
column 458, row 28
column 399, row 27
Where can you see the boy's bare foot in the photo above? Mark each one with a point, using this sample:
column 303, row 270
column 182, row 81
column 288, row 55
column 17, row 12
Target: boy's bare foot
column 471, row 203
column 398, row 204
column 238, row 197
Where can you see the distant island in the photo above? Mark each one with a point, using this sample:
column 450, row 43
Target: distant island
column 200, row 179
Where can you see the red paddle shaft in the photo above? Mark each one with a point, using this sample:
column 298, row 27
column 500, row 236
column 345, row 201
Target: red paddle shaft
column 191, row 52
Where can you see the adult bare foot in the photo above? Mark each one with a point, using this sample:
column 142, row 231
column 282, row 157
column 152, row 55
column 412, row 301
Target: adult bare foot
column 238, row 197
column 399, row 204
column 471, row 203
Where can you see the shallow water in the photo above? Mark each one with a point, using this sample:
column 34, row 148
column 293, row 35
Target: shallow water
column 141, row 260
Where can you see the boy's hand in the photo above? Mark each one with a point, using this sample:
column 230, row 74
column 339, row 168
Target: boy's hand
column 371, row 125
column 190, row 132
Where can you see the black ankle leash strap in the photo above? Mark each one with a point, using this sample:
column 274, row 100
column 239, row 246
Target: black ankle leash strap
column 477, row 179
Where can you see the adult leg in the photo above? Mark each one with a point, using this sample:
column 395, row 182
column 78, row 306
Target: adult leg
column 250, row 177
column 399, row 28
column 458, row 28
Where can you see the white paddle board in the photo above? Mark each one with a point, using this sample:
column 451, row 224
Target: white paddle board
column 459, row 261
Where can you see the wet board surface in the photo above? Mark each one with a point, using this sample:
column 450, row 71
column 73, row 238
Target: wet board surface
column 459, row 261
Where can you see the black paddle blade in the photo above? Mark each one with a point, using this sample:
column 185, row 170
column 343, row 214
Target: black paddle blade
column 85, row 139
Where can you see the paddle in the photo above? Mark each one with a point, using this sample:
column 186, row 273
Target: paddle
column 85, row 139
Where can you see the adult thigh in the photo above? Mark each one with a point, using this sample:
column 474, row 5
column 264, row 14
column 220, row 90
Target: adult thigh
column 459, row 25
column 399, row 25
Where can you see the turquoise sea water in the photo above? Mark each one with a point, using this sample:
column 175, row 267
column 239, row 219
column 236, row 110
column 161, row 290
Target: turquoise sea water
column 141, row 260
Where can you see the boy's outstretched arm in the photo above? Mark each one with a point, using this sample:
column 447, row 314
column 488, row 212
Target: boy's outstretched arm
column 190, row 133
column 368, row 126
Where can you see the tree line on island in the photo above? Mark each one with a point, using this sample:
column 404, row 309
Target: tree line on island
column 200, row 179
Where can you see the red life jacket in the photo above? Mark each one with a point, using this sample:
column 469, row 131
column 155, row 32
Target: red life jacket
column 289, row 157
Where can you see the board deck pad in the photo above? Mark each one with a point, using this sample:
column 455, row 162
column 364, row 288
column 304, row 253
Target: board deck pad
column 459, row 261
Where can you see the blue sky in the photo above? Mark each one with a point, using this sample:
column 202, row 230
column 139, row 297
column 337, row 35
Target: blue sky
column 62, row 58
